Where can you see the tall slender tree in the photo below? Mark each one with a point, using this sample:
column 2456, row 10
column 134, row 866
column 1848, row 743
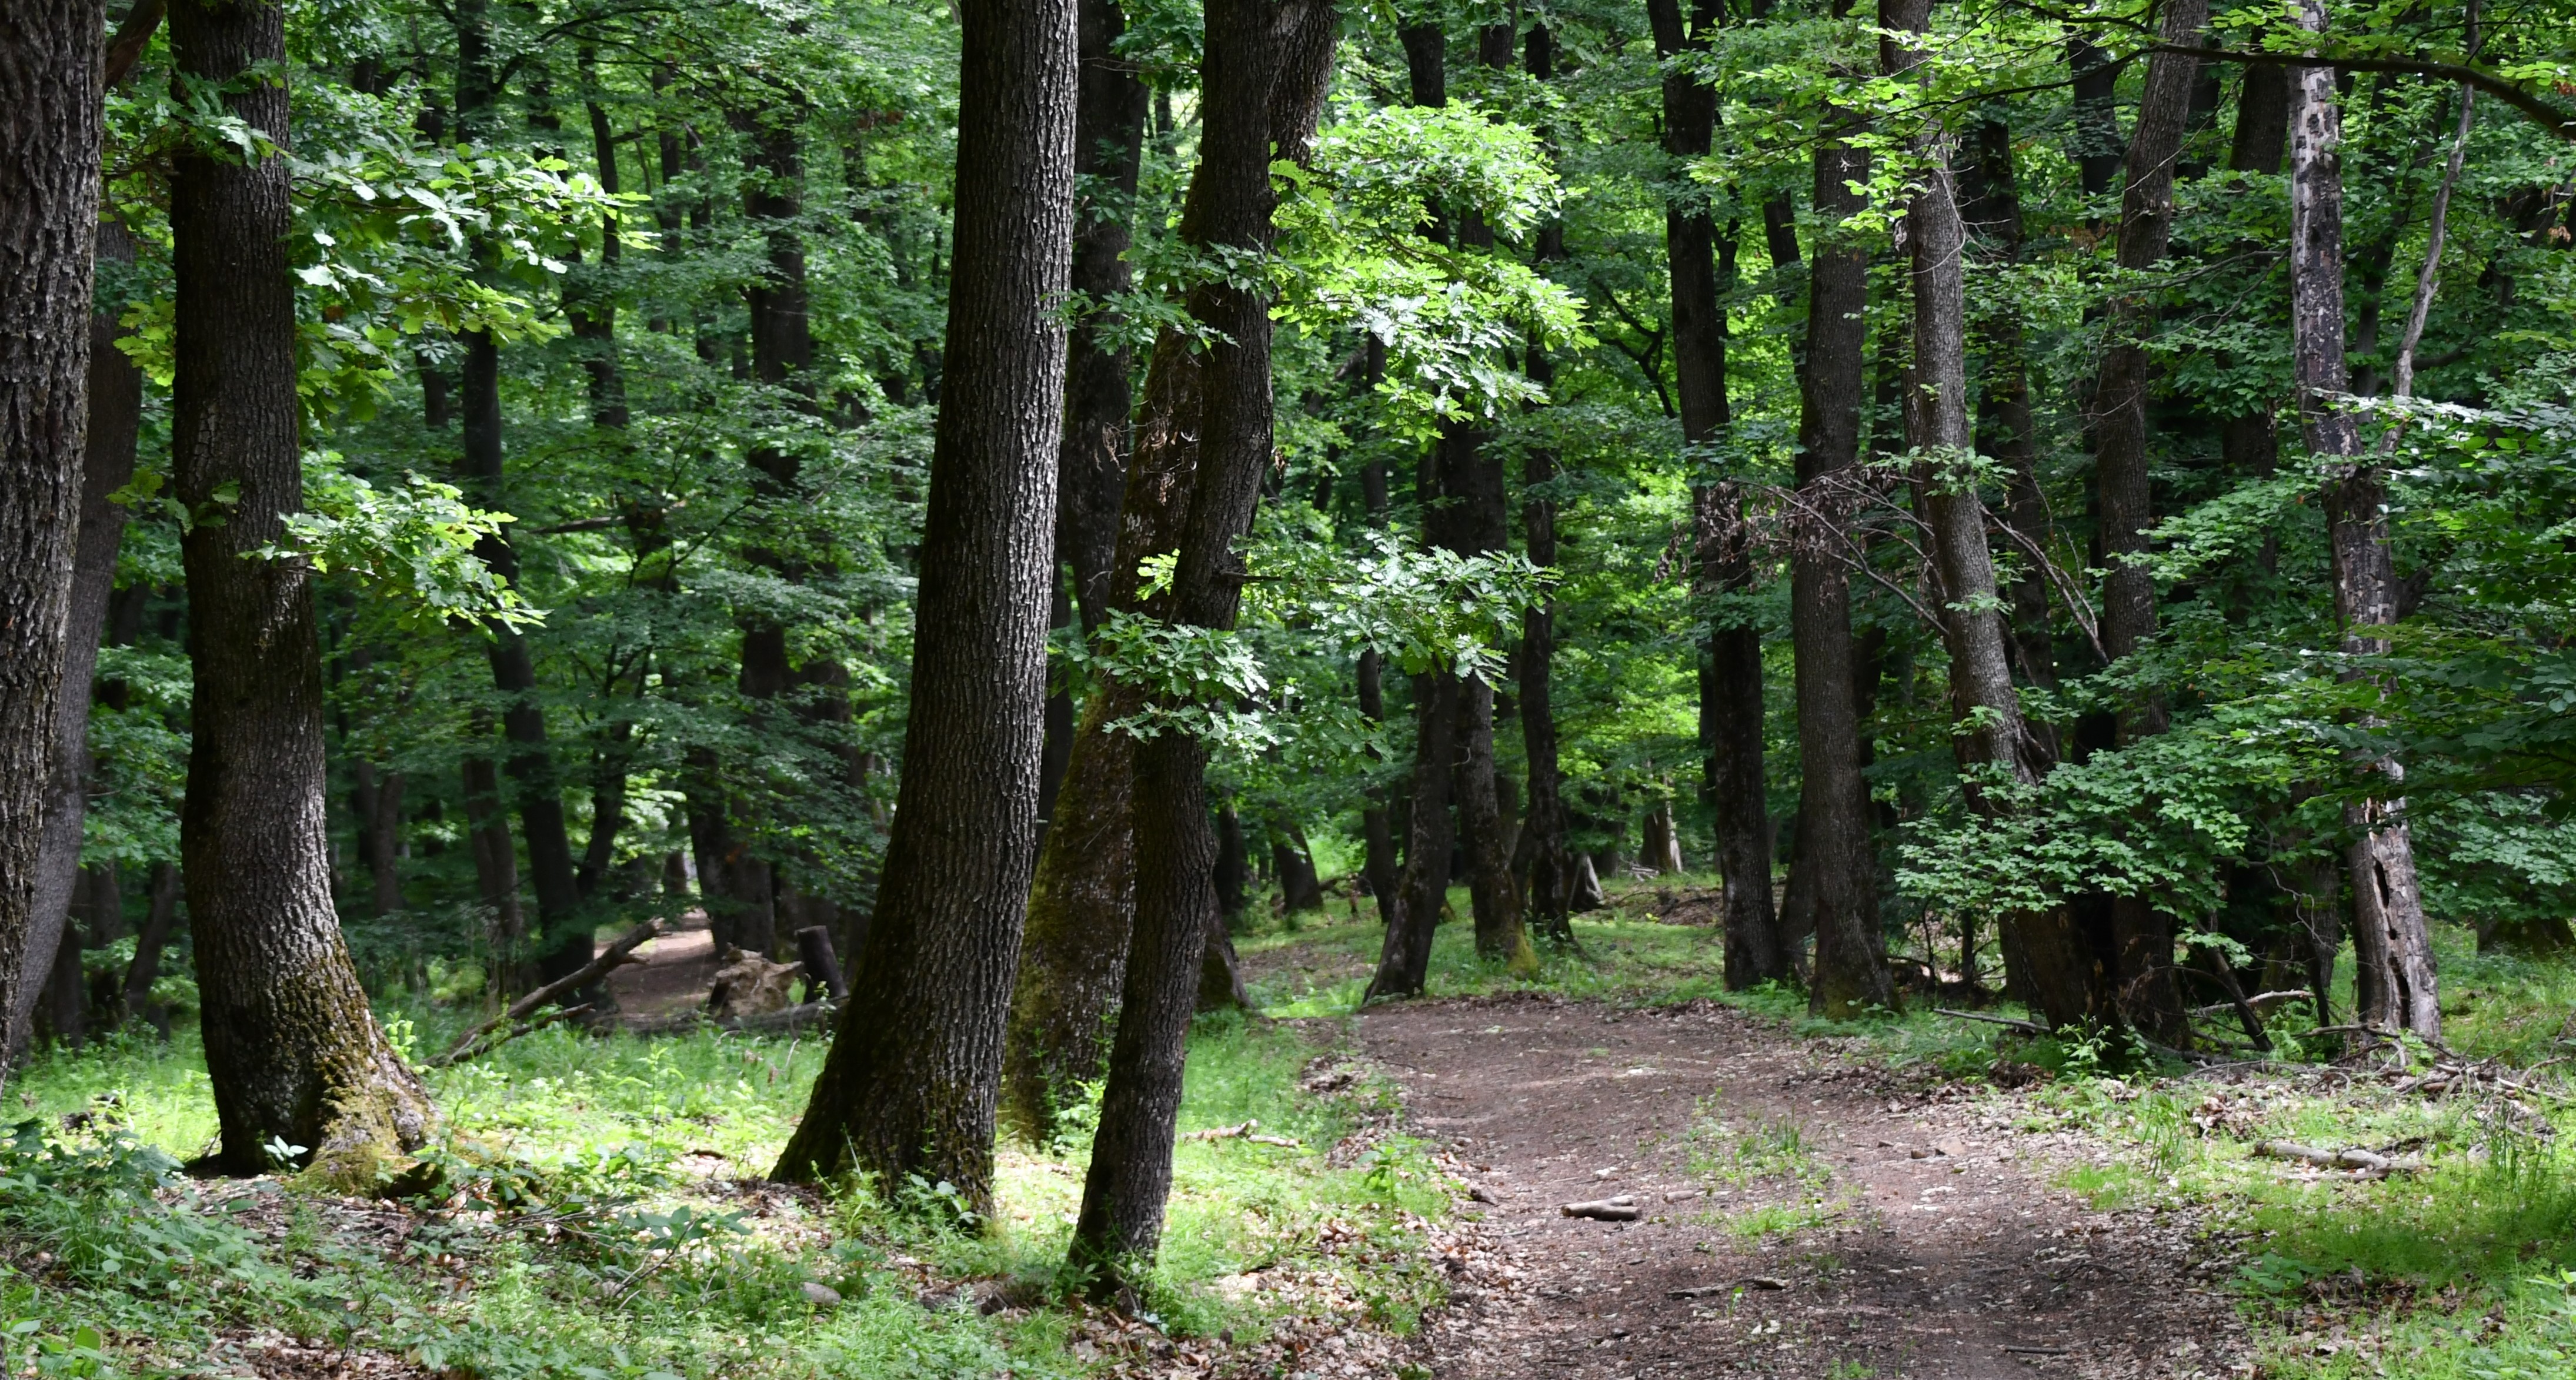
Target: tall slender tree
column 1543, row 860
column 1074, row 952
column 910, row 1083
column 1266, row 68
column 2392, row 948
column 1850, row 969
column 293, row 1052
column 1701, row 264
column 2141, row 934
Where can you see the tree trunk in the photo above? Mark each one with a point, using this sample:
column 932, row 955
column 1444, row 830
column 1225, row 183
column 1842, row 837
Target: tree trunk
column 1262, row 83
column 1109, row 133
column 1404, row 960
column 2141, row 934
column 149, row 943
column 1730, row 675
column 1081, row 909
column 2246, row 440
column 1299, row 888
column 1495, row 899
column 115, row 413
column 1840, row 891
column 1376, row 831
column 292, row 1049
column 49, row 229
column 379, row 803
column 496, row 872
column 910, row 1083
column 2392, row 948
column 2004, row 425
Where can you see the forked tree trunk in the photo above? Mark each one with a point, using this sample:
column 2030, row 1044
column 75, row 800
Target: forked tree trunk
column 1701, row 268
column 1265, row 72
column 49, row 150
column 2392, row 949
column 2142, row 936
column 292, row 1049
column 915, row 1065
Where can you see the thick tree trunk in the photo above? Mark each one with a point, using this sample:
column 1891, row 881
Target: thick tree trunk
column 1377, row 836
column 2392, row 947
column 2141, row 934
column 49, row 150
column 1299, row 888
column 1262, row 59
column 915, row 1066
column 291, row 1048
column 115, row 414
column 1730, row 675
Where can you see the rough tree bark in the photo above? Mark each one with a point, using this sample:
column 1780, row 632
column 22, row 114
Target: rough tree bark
column 2246, row 440
column 1850, row 969
column 49, row 134
column 1074, row 948
column 1730, row 673
column 1261, row 58
column 115, row 415
column 2142, row 935
column 2392, row 950
column 2004, row 425
column 909, row 1085
column 291, row 1047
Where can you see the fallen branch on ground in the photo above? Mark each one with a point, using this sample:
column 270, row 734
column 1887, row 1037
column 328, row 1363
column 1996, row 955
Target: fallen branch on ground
column 488, row 1044
column 1702, row 1291
column 794, row 1018
column 2260, row 1001
column 2367, row 1161
column 1620, row 1209
column 2025, row 1027
column 619, row 952
column 1242, row 1132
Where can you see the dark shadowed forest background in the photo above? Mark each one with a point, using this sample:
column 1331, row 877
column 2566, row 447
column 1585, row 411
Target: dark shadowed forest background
column 911, row 598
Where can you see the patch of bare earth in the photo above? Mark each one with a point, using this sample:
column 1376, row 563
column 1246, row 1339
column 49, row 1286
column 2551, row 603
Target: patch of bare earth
column 672, row 976
column 1918, row 1234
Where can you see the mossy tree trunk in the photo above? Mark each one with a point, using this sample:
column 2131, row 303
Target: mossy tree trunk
column 292, row 1049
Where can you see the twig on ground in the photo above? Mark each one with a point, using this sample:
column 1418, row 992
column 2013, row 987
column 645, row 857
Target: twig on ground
column 2025, row 1027
column 1242, row 1132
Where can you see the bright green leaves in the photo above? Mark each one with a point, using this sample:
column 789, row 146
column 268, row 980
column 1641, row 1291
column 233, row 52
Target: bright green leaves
column 1355, row 251
column 411, row 547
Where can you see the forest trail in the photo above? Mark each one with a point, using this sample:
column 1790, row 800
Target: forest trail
column 1919, row 1235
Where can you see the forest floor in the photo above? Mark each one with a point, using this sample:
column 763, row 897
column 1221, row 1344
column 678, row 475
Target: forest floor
column 1366, row 1195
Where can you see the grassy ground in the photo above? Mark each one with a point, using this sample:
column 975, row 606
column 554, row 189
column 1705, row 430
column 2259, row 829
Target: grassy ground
column 612, row 1223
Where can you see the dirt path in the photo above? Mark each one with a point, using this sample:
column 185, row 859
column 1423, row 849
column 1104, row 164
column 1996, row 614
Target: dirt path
column 1918, row 1234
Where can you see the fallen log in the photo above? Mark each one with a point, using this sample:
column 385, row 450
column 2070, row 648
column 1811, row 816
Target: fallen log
column 620, row 952
column 1620, row 1209
column 793, row 1019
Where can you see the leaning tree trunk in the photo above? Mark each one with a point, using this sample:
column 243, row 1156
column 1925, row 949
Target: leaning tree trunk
column 49, row 137
column 1074, row 950
column 2142, row 935
column 291, row 1048
column 115, row 417
column 1730, row 676
column 909, row 1085
column 1834, row 859
column 2392, row 948
column 1263, row 81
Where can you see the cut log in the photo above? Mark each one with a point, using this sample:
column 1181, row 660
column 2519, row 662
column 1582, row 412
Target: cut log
column 2367, row 1161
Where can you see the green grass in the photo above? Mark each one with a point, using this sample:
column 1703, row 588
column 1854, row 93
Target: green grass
column 618, row 1244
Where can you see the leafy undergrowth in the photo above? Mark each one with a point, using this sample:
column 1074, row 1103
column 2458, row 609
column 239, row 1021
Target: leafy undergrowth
column 603, row 1216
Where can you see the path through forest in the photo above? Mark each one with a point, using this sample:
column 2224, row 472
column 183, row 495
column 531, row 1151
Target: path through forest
column 1937, row 1246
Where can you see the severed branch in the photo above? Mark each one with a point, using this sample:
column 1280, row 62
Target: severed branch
column 483, row 1045
column 2025, row 1027
column 2076, row 605
column 617, row 954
